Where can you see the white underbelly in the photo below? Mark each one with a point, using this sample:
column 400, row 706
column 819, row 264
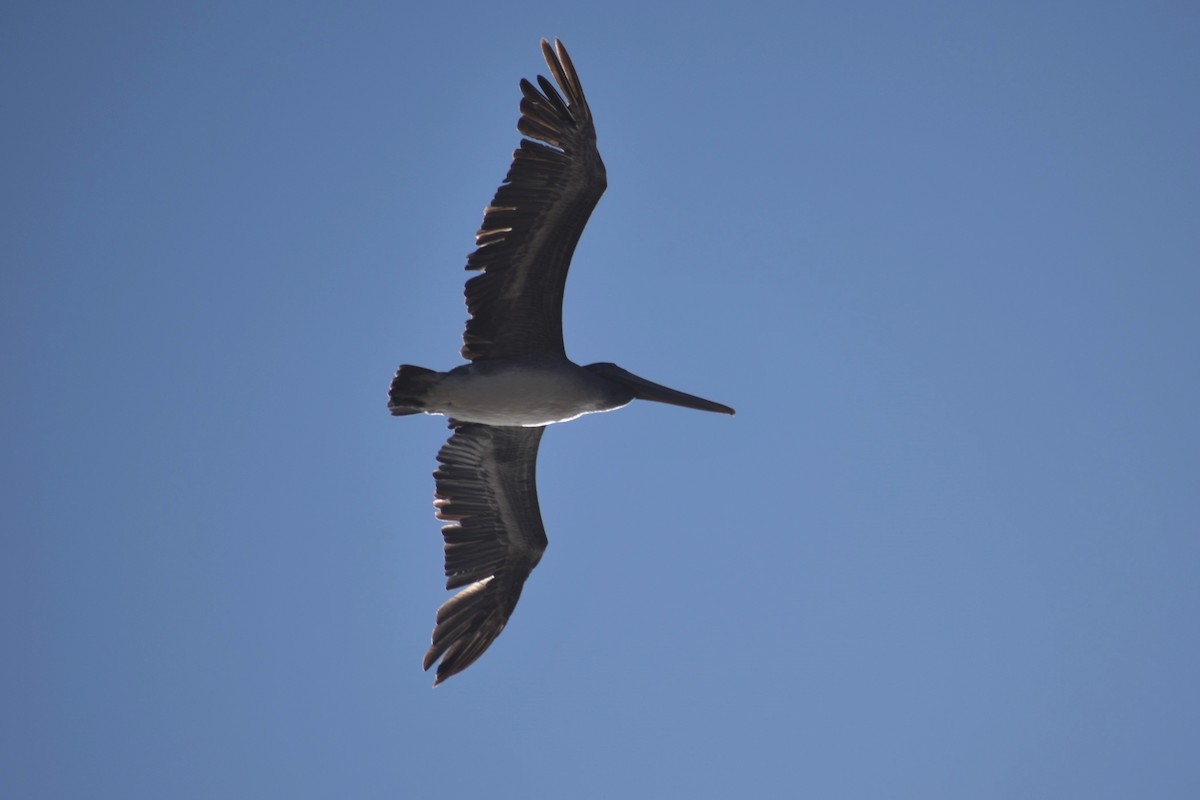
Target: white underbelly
column 518, row 396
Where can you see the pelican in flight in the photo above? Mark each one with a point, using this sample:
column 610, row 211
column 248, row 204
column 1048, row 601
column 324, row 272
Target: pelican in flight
column 519, row 378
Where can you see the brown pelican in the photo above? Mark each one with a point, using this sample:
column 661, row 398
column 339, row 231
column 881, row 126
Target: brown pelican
column 519, row 379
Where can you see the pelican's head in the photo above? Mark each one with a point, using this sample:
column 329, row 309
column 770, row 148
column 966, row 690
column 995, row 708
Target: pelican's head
column 641, row 389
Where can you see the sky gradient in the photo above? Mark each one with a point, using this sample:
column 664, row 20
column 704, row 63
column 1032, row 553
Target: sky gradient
column 944, row 260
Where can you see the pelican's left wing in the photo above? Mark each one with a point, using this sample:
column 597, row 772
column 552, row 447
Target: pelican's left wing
column 486, row 486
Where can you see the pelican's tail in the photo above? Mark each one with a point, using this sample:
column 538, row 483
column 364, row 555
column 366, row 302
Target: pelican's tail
column 409, row 389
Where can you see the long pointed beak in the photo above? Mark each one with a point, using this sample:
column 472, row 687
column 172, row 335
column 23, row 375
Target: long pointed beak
column 648, row 390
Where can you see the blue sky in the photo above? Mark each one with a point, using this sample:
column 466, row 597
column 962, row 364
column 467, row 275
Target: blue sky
column 943, row 258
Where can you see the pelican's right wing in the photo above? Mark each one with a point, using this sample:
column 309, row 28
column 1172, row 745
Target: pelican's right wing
column 533, row 223
column 486, row 486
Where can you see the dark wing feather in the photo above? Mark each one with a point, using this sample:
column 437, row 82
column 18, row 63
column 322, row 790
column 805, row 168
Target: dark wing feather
column 530, row 230
column 486, row 485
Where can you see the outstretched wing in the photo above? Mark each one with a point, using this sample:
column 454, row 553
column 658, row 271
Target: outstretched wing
column 530, row 230
column 486, row 485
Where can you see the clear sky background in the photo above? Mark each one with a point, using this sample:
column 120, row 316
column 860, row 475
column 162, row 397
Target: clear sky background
column 943, row 258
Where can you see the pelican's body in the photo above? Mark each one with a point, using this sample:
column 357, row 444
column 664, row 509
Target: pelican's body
column 519, row 379
column 522, row 393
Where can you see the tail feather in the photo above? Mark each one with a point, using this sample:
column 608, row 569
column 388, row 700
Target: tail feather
column 410, row 388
